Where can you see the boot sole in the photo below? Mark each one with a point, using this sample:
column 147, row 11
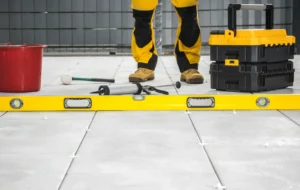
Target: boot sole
column 134, row 79
column 193, row 81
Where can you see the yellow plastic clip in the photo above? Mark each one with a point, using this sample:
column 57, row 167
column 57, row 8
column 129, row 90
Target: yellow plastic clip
column 232, row 62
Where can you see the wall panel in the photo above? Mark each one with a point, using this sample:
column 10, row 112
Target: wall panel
column 99, row 24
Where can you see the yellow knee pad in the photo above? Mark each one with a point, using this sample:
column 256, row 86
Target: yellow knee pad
column 144, row 5
column 184, row 3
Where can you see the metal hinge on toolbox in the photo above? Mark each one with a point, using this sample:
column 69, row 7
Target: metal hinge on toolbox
column 150, row 103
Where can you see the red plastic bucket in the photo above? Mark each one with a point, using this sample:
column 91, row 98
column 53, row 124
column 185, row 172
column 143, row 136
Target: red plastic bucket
column 21, row 68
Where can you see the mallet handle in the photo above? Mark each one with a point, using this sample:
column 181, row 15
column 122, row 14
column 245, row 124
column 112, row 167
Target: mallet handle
column 94, row 79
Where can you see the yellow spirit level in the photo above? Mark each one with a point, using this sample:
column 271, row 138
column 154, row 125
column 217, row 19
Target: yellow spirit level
column 150, row 103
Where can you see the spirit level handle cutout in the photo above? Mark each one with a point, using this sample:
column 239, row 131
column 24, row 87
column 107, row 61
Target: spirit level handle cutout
column 202, row 102
column 78, row 103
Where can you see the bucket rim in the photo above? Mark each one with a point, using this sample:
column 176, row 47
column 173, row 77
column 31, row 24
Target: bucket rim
column 24, row 46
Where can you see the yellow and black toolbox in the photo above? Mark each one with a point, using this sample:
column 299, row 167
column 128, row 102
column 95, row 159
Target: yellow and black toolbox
column 251, row 60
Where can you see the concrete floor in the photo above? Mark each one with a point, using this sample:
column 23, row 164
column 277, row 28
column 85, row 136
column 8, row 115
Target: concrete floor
column 146, row 150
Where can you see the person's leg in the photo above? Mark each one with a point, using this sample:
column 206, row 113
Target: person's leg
column 188, row 40
column 143, row 42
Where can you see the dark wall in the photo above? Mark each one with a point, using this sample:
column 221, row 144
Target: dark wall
column 65, row 22
column 88, row 23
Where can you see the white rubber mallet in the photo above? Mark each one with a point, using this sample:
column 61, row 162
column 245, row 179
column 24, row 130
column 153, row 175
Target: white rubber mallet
column 67, row 79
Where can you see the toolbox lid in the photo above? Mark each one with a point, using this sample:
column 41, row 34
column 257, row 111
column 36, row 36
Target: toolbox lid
column 251, row 37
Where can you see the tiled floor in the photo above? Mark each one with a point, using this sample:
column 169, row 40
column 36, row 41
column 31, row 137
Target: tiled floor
column 146, row 150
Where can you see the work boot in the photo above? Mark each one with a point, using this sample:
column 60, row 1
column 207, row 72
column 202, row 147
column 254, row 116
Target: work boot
column 192, row 76
column 142, row 75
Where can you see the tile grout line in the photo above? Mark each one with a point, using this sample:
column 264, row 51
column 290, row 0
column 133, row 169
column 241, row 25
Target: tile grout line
column 114, row 76
column 199, row 138
column 82, row 140
column 3, row 114
column 168, row 74
column 122, row 60
column 209, row 159
column 72, row 161
column 288, row 118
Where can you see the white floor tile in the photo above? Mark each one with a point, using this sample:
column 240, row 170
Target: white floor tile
column 40, row 135
column 32, row 171
column 262, row 168
column 251, row 150
column 245, row 128
column 141, row 150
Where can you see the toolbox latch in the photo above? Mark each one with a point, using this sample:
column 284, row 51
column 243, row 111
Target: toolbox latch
column 232, row 62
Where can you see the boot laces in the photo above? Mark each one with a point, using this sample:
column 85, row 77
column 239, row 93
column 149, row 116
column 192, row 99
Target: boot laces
column 140, row 70
column 194, row 71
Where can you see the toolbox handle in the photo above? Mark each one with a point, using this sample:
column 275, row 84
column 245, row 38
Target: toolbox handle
column 232, row 8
